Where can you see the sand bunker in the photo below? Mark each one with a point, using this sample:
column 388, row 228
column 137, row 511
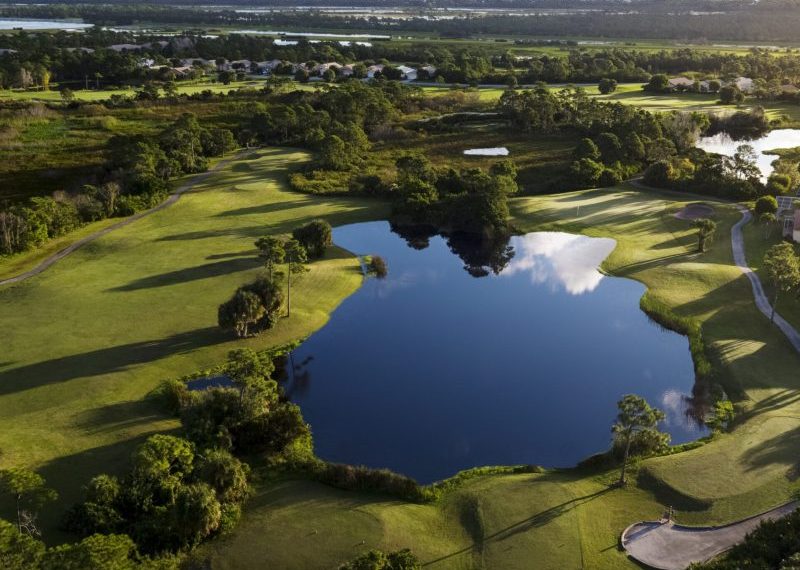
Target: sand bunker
column 695, row 212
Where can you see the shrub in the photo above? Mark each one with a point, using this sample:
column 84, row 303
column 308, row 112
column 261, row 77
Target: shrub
column 377, row 266
column 316, row 236
column 609, row 177
column 766, row 205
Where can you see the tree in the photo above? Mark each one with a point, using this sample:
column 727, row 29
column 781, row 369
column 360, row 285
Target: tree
column 705, row 233
column 296, row 258
column 315, row 236
column 659, row 83
column 67, row 96
column 766, row 205
column 783, row 268
column 635, row 416
column 18, row 551
column 240, row 312
column 607, row 86
column 721, row 416
column 610, row 148
column 271, row 250
column 197, row 513
column 27, row 489
column 586, row 149
column 586, row 172
column 378, row 266
column 225, row 474
column 377, row 560
column 226, row 77
column 96, row 552
column 335, row 154
column 768, row 220
column 730, row 94
column 250, row 373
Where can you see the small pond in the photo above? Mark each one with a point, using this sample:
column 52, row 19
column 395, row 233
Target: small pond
column 723, row 143
column 26, row 24
column 497, row 151
column 483, row 354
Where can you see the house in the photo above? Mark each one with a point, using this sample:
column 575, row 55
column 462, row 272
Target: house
column 373, row 69
column 4, row 51
column 796, row 227
column 125, row 47
column 267, row 67
column 346, row 70
column 196, row 62
column 146, row 62
column 788, row 215
column 183, row 70
column 745, row 84
column 80, row 49
column 681, row 83
column 789, row 89
column 241, row 65
column 430, row 70
column 409, row 73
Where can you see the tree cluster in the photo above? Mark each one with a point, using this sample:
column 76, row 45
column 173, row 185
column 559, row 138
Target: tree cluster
column 472, row 201
column 174, row 496
column 137, row 176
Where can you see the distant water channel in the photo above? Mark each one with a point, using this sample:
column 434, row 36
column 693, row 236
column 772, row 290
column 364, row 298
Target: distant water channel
column 493, row 355
column 723, row 143
column 27, row 24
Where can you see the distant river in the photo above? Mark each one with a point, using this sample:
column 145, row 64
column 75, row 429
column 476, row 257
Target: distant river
column 468, row 355
column 25, row 24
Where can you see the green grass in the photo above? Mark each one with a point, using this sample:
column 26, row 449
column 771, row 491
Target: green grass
column 85, row 341
column 94, row 95
column 572, row 519
column 632, row 94
column 89, row 338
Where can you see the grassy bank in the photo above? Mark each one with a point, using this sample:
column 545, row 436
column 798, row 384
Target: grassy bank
column 573, row 519
column 86, row 340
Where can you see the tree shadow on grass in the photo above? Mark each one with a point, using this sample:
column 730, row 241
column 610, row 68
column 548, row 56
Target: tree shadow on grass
column 106, row 360
column 536, row 520
column 119, row 416
column 782, row 449
column 70, row 473
column 205, row 271
column 268, row 208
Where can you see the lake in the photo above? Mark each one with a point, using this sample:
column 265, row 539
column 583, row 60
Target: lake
column 723, row 143
column 513, row 352
column 26, row 24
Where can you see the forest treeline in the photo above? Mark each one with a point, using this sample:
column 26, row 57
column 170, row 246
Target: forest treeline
column 84, row 60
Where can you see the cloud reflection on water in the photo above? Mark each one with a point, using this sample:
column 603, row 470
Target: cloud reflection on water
column 560, row 259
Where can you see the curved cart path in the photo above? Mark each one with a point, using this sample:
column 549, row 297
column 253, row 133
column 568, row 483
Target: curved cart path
column 763, row 304
column 669, row 546
column 174, row 197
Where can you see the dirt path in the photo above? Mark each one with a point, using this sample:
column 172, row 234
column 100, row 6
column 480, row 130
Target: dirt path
column 669, row 546
column 762, row 302
column 174, row 197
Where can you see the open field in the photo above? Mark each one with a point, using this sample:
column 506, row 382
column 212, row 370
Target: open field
column 86, row 341
column 571, row 519
column 92, row 95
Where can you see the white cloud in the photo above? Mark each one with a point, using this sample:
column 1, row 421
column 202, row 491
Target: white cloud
column 560, row 259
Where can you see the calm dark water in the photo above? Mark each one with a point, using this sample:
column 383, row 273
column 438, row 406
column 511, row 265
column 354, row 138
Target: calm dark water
column 434, row 370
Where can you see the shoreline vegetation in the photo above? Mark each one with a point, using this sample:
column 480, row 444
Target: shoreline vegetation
column 74, row 387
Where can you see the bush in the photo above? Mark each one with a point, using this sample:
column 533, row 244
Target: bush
column 377, row 266
column 609, row 177
column 316, row 237
column 377, row 560
column 659, row 175
column 766, row 205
